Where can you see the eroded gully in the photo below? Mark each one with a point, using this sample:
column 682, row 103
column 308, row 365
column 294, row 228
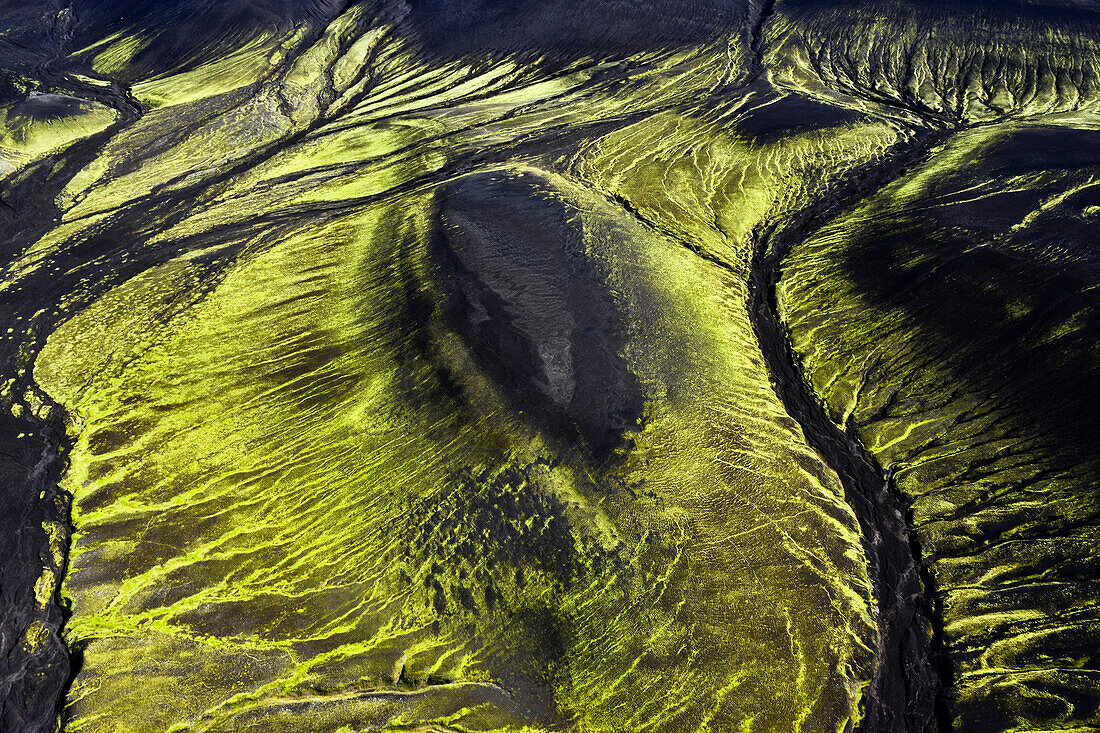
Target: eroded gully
column 905, row 694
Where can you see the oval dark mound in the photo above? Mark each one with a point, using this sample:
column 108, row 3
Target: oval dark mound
column 534, row 309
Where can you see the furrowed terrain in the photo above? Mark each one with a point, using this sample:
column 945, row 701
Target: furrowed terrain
column 474, row 366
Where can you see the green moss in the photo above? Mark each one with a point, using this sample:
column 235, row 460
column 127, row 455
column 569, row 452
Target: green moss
column 925, row 319
column 299, row 503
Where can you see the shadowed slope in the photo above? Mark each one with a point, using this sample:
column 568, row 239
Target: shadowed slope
column 951, row 322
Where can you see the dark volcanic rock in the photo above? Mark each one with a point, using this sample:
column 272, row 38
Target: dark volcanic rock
column 903, row 692
column 534, row 308
column 575, row 28
column 943, row 357
column 34, row 663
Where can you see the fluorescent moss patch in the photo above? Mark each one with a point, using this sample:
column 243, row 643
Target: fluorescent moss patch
column 294, row 523
column 117, row 53
column 300, row 499
column 47, row 123
column 247, row 65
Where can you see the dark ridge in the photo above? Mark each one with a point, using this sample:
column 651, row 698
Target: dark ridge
column 33, row 35
column 46, row 108
column 35, row 668
column 786, row 115
column 575, row 29
column 34, row 57
column 533, row 308
column 906, row 683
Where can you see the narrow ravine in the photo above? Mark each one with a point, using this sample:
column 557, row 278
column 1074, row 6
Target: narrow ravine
column 36, row 666
column 610, row 178
column 905, row 691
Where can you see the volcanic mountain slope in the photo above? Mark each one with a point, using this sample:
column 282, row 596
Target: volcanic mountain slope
column 949, row 322
column 674, row 366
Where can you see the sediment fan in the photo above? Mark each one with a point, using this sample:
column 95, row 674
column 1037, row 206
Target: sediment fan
column 536, row 366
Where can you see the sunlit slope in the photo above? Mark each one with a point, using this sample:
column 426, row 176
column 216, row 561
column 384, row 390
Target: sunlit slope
column 306, row 497
column 413, row 387
column 283, row 489
column 940, row 63
column 68, row 71
column 950, row 322
column 46, row 123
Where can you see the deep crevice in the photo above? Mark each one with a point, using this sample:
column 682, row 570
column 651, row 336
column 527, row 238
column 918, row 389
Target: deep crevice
column 906, row 691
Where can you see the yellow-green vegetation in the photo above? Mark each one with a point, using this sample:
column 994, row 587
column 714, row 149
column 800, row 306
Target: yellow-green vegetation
column 298, row 502
column 447, row 366
column 929, row 62
column 946, row 320
column 317, row 534
column 244, row 66
column 46, row 123
column 114, row 54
